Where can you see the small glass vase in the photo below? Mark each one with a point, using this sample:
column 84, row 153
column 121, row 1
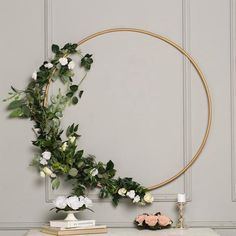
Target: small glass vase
column 71, row 216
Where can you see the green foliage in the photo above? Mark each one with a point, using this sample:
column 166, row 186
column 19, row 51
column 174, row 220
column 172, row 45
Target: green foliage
column 66, row 160
column 87, row 61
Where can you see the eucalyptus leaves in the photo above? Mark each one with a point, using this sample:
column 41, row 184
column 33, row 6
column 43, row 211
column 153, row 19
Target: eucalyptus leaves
column 61, row 158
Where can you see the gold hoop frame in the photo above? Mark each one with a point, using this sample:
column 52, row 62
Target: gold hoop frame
column 204, row 82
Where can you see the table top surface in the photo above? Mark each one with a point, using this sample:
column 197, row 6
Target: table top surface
column 135, row 232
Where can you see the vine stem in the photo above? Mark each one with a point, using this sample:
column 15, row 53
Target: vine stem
column 45, row 101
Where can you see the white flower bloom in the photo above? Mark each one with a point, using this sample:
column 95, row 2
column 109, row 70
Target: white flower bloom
column 74, row 203
column 60, row 202
column 46, row 155
column 34, row 75
column 72, row 139
column 87, row 202
column 63, row 61
column 131, row 194
column 148, row 198
column 43, row 161
column 71, row 65
column 136, row 199
column 42, row 174
column 53, row 175
column 122, row 192
column 48, row 65
column 94, row 172
column 64, row 146
column 47, row 171
column 36, row 130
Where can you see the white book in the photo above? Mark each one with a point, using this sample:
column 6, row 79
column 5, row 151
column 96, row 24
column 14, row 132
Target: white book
column 72, row 224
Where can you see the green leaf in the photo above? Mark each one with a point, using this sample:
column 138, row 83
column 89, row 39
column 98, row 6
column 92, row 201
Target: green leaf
column 26, row 111
column 73, row 172
column 110, row 165
column 81, row 93
column 74, row 88
column 16, row 113
column 55, row 48
column 70, row 94
column 15, row 104
column 55, row 183
column 79, row 154
column 86, row 61
column 75, row 100
column 13, row 89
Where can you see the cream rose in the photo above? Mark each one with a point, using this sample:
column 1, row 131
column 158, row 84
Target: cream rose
column 122, row 192
column 94, row 172
column 64, row 146
column 72, row 139
column 148, row 198
column 47, row 171
column 42, row 174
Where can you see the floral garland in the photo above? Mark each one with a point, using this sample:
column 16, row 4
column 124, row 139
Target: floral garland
column 61, row 158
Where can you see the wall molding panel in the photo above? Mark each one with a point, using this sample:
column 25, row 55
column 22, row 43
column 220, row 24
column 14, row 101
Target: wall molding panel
column 233, row 94
column 187, row 143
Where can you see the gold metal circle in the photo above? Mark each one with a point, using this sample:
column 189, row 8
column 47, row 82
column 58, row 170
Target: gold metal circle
column 204, row 82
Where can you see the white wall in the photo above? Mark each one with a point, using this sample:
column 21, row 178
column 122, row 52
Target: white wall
column 143, row 106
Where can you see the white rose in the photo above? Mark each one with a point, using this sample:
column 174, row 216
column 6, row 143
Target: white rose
column 46, row 155
column 72, row 139
column 47, row 171
column 36, row 130
column 48, row 65
column 63, row 61
column 136, row 199
column 87, row 202
column 71, row 65
column 94, row 172
column 148, row 197
column 43, row 161
column 74, row 203
column 60, row 202
column 122, row 192
column 34, row 75
column 42, row 174
column 131, row 194
column 64, row 146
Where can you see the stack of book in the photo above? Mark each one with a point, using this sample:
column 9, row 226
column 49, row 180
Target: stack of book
column 62, row 227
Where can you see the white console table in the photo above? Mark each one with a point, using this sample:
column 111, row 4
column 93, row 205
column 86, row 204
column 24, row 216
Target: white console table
column 135, row 232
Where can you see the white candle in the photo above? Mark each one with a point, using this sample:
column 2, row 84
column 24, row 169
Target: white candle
column 181, row 197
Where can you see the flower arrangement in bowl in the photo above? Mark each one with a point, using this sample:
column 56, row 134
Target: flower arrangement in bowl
column 59, row 157
column 71, row 205
column 153, row 222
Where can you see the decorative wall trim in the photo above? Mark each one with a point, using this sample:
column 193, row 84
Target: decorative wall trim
column 194, row 224
column 232, row 95
column 187, row 138
column 187, row 144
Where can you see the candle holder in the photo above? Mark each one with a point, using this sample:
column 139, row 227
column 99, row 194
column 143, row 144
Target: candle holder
column 180, row 224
